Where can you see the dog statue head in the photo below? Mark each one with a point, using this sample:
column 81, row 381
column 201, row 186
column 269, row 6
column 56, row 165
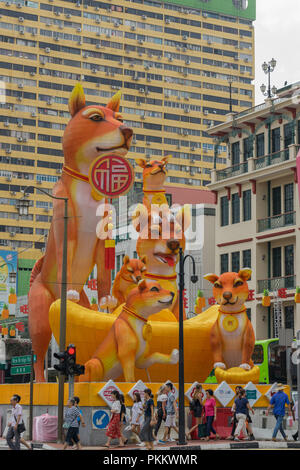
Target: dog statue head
column 230, row 289
column 154, row 173
column 93, row 130
column 149, row 298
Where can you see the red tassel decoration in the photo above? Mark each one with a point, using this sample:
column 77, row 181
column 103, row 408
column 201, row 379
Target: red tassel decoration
column 109, row 254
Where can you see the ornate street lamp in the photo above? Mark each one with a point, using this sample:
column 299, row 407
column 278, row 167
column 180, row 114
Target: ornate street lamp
column 268, row 69
column 194, row 279
column 63, row 305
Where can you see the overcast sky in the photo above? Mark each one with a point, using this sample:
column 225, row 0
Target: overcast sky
column 277, row 28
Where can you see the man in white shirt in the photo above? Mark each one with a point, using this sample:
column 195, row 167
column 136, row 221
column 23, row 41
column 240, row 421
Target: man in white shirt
column 16, row 419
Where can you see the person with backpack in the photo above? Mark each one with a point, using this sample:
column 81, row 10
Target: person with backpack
column 238, row 389
column 241, row 407
column 196, row 407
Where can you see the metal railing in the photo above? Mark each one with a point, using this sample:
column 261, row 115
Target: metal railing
column 275, row 283
column 276, row 221
column 231, row 171
column 271, row 159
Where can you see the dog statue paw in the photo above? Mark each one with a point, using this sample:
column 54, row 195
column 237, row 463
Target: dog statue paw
column 73, row 295
column 245, row 366
column 221, row 365
column 174, row 356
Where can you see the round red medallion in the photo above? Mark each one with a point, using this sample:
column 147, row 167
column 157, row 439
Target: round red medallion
column 111, row 176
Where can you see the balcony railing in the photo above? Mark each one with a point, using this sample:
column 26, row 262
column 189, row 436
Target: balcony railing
column 275, row 283
column 271, row 159
column 231, row 171
column 277, row 221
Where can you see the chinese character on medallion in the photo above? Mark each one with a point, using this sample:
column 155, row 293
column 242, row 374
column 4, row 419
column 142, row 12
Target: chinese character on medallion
column 111, row 176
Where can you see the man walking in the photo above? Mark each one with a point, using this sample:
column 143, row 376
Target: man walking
column 278, row 401
column 14, row 427
column 171, row 413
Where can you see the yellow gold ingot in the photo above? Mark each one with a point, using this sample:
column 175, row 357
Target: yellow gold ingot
column 230, row 323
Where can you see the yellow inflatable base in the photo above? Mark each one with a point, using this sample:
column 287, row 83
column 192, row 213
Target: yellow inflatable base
column 237, row 375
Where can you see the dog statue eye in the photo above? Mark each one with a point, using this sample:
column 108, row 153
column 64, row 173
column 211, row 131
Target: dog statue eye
column 96, row 117
column 148, row 165
column 238, row 284
column 217, row 285
column 154, row 289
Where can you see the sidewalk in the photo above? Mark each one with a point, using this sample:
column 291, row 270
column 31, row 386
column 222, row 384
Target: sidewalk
column 194, row 445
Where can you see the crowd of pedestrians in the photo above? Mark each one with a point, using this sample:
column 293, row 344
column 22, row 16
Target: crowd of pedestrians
column 146, row 420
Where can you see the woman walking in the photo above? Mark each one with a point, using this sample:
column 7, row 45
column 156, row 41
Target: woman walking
column 72, row 415
column 146, row 434
column 238, row 389
column 114, row 426
column 136, row 415
column 210, row 414
column 161, row 409
column 241, row 408
column 196, row 407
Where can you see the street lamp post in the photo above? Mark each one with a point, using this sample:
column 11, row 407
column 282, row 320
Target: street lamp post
column 268, row 69
column 63, row 302
column 230, row 80
column 194, row 279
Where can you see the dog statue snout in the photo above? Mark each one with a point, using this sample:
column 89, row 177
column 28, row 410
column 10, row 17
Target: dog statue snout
column 127, row 132
column 227, row 295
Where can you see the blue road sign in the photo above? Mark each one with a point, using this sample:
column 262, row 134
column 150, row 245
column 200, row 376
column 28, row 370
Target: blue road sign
column 100, row 419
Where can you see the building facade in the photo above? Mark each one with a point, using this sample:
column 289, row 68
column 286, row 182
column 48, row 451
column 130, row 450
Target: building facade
column 258, row 216
column 172, row 61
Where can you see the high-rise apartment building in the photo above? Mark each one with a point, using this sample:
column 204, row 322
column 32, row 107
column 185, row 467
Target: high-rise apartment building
column 180, row 64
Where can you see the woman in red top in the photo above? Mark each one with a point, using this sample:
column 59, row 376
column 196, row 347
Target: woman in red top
column 210, row 413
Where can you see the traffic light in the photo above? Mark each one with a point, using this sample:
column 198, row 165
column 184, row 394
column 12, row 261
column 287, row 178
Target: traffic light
column 79, row 370
column 70, row 359
column 61, row 367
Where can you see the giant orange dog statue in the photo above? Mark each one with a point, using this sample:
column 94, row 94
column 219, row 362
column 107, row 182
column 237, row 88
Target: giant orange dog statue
column 232, row 336
column 126, row 345
column 91, row 132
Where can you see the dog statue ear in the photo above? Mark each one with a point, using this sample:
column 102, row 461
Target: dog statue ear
column 144, row 259
column 126, row 259
column 141, row 162
column 211, row 277
column 166, row 158
column 114, row 103
column 142, row 285
column 245, row 273
column 77, row 99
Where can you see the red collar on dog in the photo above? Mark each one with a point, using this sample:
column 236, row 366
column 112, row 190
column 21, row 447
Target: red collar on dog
column 232, row 313
column 154, row 191
column 172, row 277
column 134, row 314
column 75, row 174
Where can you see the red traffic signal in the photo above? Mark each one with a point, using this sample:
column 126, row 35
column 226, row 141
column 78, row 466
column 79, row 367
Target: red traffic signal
column 71, row 350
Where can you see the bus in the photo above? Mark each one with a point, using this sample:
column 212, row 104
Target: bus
column 270, row 357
